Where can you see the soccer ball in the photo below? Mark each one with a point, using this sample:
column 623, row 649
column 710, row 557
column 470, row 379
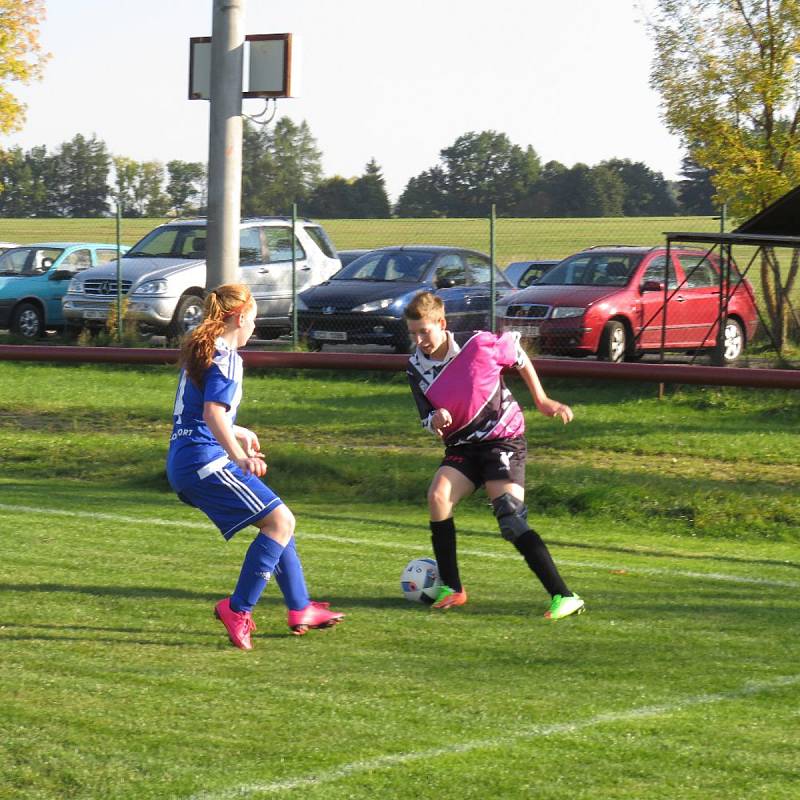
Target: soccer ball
column 420, row 580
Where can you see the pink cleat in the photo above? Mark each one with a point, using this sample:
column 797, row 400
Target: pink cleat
column 314, row 615
column 239, row 624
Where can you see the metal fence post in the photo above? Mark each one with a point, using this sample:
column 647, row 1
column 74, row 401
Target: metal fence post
column 492, row 315
column 119, row 272
column 724, row 288
column 295, row 337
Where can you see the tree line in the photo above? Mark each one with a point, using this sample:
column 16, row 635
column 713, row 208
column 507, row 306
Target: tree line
column 481, row 169
column 281, row 165
column 74, row 180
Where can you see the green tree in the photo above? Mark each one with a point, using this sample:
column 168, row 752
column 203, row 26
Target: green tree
column 728, row 73
column 185, row 184
column 332, row 198
column 646, row 192
column 486, row 168
column 139, row 187
column 297, row 163
column 539, row 201
column 149, row 190
column 279, row 167
column 81, row 166
column 476, row 171
column 125, row 172
column 696, row 190
column 43, row 199
column 370, row 200
column 584, row 191
column 424, row 196
column 257, row 170
column 16, row 184
column 357, row 198
column 21, row 55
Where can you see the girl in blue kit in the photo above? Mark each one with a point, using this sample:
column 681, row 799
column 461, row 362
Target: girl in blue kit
column 216, row 465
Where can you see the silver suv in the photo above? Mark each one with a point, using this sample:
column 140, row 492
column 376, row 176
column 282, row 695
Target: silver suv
column 164, row 275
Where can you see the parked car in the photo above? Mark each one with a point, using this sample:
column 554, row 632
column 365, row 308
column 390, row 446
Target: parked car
column 364, row 302
column 34, row 277
column 609, row 302
column 164, row 275
column 522, row 274
column 7, row 246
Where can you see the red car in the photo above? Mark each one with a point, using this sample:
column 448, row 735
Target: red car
column 609, row 302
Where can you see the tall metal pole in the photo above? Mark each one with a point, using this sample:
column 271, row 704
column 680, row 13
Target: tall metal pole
column 724, row 288
column 225, row 142
column 119, row 272
column 295, row 337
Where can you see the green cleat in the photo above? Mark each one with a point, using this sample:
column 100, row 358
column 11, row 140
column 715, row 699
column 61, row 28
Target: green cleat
column 564, row 606
column 449, row 598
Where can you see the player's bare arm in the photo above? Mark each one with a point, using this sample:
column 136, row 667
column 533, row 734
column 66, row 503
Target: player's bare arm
column 248, row 440
column 214, row 415
column 544, row 404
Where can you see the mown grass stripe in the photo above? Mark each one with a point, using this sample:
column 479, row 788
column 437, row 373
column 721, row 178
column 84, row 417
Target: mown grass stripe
column 532, row 732
column 390, row 545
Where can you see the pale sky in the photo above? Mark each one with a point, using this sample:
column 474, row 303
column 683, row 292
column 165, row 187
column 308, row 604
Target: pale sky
column 397, row 81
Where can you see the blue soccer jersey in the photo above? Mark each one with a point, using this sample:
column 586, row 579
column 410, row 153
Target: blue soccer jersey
column 194, row 453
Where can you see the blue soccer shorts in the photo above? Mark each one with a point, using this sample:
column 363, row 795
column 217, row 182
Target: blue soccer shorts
column 231, row 499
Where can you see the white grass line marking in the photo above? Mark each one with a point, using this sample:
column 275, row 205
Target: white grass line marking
column 403, row 546
column 531, row 732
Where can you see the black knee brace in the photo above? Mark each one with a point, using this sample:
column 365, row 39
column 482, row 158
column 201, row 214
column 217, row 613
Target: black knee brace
column 512, row 516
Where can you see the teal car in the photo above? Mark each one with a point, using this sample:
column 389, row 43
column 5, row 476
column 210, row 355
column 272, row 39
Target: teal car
column 34, row 277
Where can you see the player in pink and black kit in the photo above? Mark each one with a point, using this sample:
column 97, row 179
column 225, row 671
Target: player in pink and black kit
column 456, row 379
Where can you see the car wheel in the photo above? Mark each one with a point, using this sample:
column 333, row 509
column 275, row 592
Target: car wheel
column 188, row 315
column 732, row 344
column 27, row 321
column 613, row 342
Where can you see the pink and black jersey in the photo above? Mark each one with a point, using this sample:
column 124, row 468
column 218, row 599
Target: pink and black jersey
column 468, row 383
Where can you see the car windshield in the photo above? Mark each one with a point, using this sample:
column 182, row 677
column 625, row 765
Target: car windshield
column 406, row 266
column 171, row 241
column 593, row 269
column 28, row 260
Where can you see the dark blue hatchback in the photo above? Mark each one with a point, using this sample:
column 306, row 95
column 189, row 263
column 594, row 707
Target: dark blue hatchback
column 363, row 303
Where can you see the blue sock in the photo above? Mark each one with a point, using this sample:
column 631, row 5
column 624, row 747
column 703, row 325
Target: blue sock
column 259, row 563
column 290, row 578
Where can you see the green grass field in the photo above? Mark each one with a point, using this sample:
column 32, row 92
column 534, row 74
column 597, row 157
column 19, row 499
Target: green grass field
column 677, row 520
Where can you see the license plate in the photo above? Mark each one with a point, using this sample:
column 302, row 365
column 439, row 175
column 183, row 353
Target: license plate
column 94, row 313
column 331, row 336
column 529, row 331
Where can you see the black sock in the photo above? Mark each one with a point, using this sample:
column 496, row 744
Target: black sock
column 443, row 538
column 538, row 557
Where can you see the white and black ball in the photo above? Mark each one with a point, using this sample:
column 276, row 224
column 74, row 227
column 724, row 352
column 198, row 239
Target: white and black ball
column 420, row 581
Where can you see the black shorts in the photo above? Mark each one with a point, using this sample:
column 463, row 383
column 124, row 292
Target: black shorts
column 496, row 460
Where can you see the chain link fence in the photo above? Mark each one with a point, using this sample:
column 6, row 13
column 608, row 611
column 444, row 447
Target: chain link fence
column 571, row 287
column 602, row 288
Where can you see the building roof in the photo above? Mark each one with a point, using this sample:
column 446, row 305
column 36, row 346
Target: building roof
column 778, row 225
column 780, row 218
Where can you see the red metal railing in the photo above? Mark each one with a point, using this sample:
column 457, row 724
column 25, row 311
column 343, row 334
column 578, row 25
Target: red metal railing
column 561, row 368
